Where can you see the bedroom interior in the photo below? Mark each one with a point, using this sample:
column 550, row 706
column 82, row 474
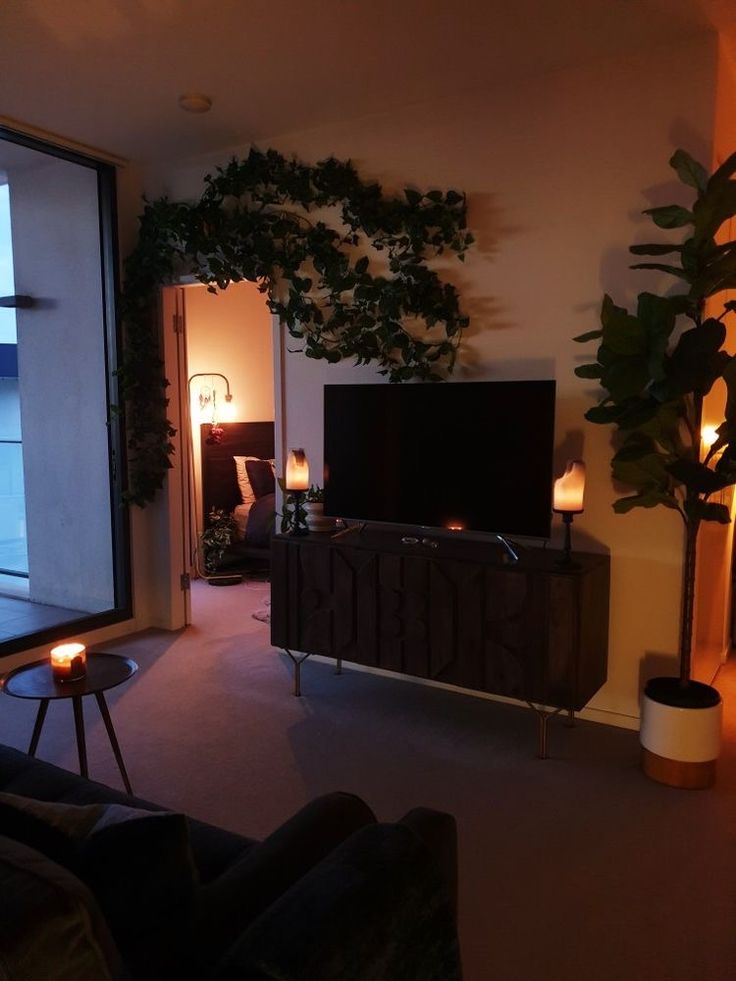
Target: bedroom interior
column 558, row 125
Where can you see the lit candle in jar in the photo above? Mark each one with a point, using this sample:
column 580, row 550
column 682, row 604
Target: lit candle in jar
column 570, row 488
column 69, row 662
column 297, row 471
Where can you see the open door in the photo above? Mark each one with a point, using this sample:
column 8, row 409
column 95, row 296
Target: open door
column 177, row 490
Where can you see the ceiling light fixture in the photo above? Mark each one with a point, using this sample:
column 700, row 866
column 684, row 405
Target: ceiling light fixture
column 195, row 102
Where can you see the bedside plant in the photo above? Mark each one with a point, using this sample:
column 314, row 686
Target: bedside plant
column 219, row 534
column 655, row 366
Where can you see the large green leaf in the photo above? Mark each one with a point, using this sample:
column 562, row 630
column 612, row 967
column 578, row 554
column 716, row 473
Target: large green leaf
column 647, row 499
column 645, row 473
column 729, row 376
column 591, row 335
column 719, row 274
column 603, row 414
column 724, row 173
column 654, row 248
column 689, row 170
column 657, row 315
column 670, row 216
column 697, row 476
column 622, row 332
column 589, row 371
column 664, row 426
column 638, row 412
column 636, row 446
column 695, row 363
column 626, row 378
column 661, row 267
column 700, row 510
column 713, row 209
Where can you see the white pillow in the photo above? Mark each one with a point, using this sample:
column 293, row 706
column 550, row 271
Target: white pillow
column 246, row 491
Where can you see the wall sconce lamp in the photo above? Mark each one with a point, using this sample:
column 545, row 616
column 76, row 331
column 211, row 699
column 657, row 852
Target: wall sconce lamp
column 568, row 501
column 296, row 483
column 207, row 398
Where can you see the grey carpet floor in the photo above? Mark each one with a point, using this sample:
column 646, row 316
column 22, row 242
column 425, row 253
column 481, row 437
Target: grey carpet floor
column 575, row 867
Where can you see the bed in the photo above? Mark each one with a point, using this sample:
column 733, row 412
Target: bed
column 221, row 489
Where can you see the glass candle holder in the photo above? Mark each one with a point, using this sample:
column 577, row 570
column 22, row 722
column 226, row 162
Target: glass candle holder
column 69, row 662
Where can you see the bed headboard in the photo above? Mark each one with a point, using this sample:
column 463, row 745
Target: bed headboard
column 219, row 484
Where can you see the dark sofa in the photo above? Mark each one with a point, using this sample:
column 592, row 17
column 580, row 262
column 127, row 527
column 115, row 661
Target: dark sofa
column 331, row 895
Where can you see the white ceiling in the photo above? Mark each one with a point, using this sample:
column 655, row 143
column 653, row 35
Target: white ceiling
column 108, row 73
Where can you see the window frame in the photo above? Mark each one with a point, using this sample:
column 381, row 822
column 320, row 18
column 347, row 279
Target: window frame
column 116, row 441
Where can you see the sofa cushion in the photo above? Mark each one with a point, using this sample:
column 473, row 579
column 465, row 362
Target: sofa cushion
column 137, row 863
column 377, row 906
column 74, row 944
column 214, row 848
column 225, row 907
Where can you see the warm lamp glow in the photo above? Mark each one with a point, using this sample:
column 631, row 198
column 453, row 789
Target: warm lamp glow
column 708, row 435
column 69, row 661
column 228, row 411
column 570, row 488
column 297, row 471
column 455, row 526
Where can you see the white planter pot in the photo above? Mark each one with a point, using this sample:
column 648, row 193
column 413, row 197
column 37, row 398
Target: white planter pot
column 316, row 520
column 680, row 742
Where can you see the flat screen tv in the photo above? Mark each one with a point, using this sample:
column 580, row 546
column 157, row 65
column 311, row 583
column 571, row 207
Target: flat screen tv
column 475, row 455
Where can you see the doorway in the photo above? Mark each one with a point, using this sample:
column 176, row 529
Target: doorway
column 223, row 360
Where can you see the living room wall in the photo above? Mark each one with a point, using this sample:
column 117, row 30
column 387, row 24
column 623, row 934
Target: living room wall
column 557, row 170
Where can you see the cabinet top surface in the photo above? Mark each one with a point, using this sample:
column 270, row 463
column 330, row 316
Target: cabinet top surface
column 425, row 545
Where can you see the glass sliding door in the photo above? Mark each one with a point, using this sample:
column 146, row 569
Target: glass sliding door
column 13, row 550
column 63, row 529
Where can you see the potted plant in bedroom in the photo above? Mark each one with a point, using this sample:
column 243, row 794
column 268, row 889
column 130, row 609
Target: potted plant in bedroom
column 220, row 533
column 655, row 366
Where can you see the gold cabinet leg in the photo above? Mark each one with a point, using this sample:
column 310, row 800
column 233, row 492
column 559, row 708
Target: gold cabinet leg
column 543, row 717
column 297, row 662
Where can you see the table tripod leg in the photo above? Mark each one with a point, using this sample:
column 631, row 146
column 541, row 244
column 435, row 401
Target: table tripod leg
column 40, row 716
column 79, row 726
column 104, row 712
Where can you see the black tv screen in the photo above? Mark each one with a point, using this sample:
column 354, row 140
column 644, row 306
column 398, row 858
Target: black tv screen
column 476, row 455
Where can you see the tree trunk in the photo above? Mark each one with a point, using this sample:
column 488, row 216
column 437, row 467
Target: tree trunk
column 688, row 600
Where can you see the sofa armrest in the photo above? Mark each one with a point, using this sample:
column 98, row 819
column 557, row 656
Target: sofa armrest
column 377, row 909
column 226, row 906
column 438, row 831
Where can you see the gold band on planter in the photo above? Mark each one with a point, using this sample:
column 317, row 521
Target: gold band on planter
column 676, row 773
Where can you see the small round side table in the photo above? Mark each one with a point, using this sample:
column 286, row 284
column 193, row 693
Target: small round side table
column 104, row 671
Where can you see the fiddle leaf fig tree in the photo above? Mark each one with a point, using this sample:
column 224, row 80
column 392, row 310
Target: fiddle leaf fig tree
column 657, row 363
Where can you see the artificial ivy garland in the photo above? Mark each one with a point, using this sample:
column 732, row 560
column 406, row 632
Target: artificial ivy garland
column 343, row 292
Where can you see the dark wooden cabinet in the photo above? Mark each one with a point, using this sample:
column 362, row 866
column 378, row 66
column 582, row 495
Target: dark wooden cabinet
column 455, row 612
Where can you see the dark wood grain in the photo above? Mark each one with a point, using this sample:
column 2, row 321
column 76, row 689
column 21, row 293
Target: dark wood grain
column 457, row 613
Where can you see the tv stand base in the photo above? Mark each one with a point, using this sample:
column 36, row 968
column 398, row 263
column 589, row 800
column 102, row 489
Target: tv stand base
column 460, row 614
